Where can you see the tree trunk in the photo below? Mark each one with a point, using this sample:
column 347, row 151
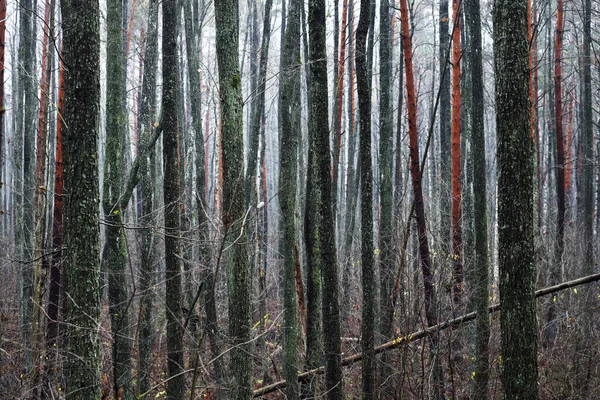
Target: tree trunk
column 27, row 99
column 518, row 325
column 290, row 124
column 318, row 123
column 430, row 312
column 114, row 253
column 146, row 120
column 81, row 57
column 480, row 282
column 226, row 18
column 2, row 110
column 555, row 269
column 456, row 170
column 170, row 89
column 445, row 132
column 366, row 179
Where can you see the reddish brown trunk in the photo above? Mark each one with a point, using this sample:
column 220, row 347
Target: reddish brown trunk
column 414, row 165
column 456, row 184
column 340, row 87
column 130, row 26
column 55, row 271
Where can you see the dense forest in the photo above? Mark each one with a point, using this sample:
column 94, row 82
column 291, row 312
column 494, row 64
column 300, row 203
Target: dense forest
column 238, row 199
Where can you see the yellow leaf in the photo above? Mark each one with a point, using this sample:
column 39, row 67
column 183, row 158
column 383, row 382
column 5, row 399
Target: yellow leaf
column 575, row 290
column 554, row 299
column 256, row 325
column 473, row 375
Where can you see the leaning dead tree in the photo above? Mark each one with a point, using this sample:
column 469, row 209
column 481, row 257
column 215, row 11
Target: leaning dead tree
column 403, row 340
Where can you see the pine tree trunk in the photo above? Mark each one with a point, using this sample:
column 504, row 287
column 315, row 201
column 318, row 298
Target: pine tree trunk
column 416, row 173
column 518, row 323
column 456, row 163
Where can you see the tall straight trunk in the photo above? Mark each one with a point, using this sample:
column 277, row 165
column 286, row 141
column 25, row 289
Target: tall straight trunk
column 259, row 107
column 146, row 120
column 416, row 173
column 398, row 155
column 313, row 273
column 569, row 157
column 456, row 170
column 226, row 17
column 386, row 232
column 480, row 282
column 40, row 272
column 55, row 286
column 170, row 89
column 318, row 128
column 366, row 179
column 445, row 131
column 114, row 253
column 81, row 228
column 555, row 270
column 290, row 124
column 518, row 325
column 587, row 209
column 2, row 110
column 27, row 95
column 339, row 97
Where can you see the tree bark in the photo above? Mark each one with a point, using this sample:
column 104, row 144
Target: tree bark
column 81, row 57
column 366, row 179
column 318, row 128
column 176, row 383
column 290, row 124
column 555, row 270
column 430, row 312
column 226, row 18
column 480, row 282
column 146, row 120
column 518, row 323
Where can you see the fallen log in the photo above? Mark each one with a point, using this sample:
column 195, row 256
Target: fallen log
column 401, row 340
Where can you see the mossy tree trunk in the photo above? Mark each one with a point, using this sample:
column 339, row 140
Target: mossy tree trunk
column 386, row 147
column 170, row 92
column 290, row 124
column 147, row 118
column 230, row 85
column 114, row 253
column 81, row 229
column 366, row 202
column 480, row 282
column 319, row 131
column 518, row 324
